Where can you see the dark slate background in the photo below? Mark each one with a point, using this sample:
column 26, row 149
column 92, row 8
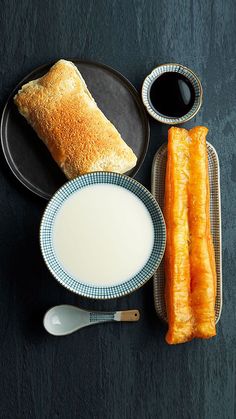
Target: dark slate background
column 115, row 371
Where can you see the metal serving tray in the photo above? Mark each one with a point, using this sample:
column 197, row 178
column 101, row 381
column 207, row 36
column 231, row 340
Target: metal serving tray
column 158, row 188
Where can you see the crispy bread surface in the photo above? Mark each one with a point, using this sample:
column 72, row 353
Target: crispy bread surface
column 65, row 116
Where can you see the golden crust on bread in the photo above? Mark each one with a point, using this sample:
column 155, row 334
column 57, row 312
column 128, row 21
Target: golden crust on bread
column 65, row 116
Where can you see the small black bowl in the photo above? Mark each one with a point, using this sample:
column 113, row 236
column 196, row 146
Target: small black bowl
column 170, row 68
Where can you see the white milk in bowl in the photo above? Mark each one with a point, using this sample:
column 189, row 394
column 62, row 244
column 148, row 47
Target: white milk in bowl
column 103, row 235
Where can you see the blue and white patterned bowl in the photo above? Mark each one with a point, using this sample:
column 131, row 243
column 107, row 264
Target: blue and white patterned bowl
column 46, row 231
column 167, row 68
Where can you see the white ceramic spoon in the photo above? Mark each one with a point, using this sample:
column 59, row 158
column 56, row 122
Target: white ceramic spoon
column 65, row 319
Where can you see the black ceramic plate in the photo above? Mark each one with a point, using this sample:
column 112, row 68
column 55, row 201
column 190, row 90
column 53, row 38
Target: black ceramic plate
column 29, row 158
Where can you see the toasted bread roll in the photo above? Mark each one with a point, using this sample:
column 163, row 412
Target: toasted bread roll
column 65, row 116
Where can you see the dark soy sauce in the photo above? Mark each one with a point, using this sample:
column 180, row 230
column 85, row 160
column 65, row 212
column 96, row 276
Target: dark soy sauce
column 172, row 95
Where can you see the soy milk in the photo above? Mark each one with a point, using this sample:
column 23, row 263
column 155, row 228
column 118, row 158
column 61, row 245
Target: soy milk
column 103, row 235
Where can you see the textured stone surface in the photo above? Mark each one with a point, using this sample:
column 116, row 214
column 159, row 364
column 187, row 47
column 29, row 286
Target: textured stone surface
column 115, row 371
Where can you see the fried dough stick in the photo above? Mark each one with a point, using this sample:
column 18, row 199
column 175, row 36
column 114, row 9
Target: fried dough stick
column 177, row 266
column 201, row 251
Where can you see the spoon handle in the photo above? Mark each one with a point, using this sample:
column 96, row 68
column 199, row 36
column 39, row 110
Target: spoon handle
column 125, row 316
